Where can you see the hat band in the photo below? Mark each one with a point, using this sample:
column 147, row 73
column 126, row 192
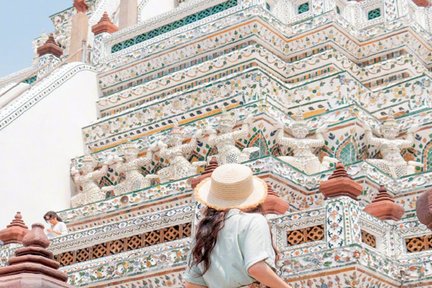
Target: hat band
column 232, row 191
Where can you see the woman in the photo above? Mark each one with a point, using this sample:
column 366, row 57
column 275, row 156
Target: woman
column 57, row 227
column 232, row 248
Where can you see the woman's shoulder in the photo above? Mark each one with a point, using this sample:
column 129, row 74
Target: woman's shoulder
column 255, row 218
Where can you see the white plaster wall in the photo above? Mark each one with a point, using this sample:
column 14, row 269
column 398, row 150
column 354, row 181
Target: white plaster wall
column 156, row 7
column 35, row 150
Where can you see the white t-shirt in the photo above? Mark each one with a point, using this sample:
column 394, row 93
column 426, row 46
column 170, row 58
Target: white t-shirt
column 244, row 240
column 60, row 227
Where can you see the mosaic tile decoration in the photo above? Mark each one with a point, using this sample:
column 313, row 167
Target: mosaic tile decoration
column 126, row 244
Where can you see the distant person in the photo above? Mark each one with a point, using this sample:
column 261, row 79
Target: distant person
column 57, row 226
column 232, row 246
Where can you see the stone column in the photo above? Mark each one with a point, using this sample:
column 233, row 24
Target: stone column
column 342, row 224
column 342, row 208
column 79, row 31
column 128, row 13
column 101, row 30
column 49, row 56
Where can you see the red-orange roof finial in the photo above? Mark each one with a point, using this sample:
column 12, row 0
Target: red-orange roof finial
column 422, row 3
column 340, row 184
column 273, row 204
column 424, row 208
column 80, row 6
column 384, row 207
column 104, row 25
column 50, row 47
column 33, row 264
column 15, row 231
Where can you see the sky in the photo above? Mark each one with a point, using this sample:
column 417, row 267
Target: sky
column 21, row 21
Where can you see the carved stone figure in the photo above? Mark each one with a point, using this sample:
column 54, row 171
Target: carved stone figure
column 176, row 152
column 130, row 165
column 303, row 148
column 86, row 178
column 390, row 147
column 226, row 138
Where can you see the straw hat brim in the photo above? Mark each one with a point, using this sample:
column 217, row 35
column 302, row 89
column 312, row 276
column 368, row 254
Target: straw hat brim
column 258, row 196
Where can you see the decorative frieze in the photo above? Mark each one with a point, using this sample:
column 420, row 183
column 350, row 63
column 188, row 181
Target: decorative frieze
column 265, row 33
column 124, row 228
column 145, row 261
column 174, row 25
column 125, row 244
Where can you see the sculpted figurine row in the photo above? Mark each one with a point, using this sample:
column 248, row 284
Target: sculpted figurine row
column 128, row 162
column 388, row 145
column 174, row 151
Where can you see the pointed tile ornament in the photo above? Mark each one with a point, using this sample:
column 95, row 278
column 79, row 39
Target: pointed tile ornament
column 15, row 231
column 33, row 265
column 50, row 47
column 384, row 207
column 273, row 204
column 340, row 184
column 104, row 26
column 424, row 208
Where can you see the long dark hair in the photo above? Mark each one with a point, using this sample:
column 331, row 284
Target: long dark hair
column 206, row 236
column 51, row 214
column 207, row 233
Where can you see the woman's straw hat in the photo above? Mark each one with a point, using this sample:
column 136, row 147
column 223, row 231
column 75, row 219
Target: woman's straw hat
column 231, row 186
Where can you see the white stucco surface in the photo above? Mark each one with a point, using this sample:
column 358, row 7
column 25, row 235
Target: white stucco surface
column 156, row 7
column 36, row 149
